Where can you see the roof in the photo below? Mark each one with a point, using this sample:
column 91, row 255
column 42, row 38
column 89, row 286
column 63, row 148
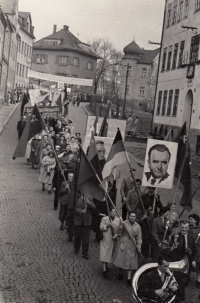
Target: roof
column 23, row 23
column 149, row 55
column 24, row 15
column 68, row 42
column 132, row 49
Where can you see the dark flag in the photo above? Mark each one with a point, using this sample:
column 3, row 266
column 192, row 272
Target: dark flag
column 25, row 100
column 58, row 102
column 66, row 94
column 183, row 167
column 88, row 182
column 104, row 127
column 93, row 157
column 33, row 126
column 66, row 109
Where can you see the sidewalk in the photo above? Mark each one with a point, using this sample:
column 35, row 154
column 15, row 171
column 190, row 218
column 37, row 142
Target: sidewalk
column 6, row 113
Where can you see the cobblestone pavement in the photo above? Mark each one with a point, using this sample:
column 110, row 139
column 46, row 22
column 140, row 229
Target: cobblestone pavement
column 37, row 263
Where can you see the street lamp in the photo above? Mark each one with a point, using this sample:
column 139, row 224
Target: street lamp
column 125, row 92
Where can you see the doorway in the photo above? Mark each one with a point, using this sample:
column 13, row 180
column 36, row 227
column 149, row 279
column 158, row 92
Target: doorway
column 187, row 112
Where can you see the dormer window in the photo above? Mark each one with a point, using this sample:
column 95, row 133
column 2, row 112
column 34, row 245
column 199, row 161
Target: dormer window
column 52, row 42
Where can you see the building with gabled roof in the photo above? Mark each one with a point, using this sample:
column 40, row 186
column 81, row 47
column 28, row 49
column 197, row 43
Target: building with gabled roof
column 63, row 54
column 25, row 47
column 138, row 74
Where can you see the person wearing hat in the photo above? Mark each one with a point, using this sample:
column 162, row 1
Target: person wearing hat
column 78, row 138
column 47, row 170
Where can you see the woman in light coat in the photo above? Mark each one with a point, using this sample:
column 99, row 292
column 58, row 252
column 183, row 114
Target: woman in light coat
column 47, row 171
column 126, row 254
column 109, row 227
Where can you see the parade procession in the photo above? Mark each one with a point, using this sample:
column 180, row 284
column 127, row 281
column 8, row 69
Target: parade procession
column 100, row 152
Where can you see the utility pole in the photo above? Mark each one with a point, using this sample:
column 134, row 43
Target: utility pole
column 125, row 92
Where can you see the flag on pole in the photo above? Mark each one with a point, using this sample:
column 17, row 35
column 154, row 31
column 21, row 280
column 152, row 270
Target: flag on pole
column 116, row 156
column 104, row 127
column 183, row 167
column 56, row 99
column 25, row 100
column 88, row 182
column 93, row 156
column 33, row 126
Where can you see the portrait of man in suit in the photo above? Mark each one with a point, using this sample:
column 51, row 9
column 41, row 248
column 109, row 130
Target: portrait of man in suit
column 157, row 171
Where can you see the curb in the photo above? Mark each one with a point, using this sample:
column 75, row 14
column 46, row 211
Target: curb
column 9, row 116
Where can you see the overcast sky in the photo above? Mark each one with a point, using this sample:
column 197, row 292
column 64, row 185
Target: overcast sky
column 117, row 20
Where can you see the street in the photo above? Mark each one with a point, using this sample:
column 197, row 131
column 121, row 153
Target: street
column 37, row 262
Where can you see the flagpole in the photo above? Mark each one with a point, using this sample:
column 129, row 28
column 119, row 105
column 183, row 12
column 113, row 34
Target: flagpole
column 113, row 205
column 56, row 156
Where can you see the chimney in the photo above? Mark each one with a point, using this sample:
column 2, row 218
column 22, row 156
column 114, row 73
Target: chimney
column 66, row 27
column 54, row 29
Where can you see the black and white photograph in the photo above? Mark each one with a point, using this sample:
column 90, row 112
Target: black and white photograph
column 99, row 151
column 160, row 161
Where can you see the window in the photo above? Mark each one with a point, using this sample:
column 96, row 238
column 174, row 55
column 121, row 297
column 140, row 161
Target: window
column 169, row 58
column 30, row 51
column 159, row 102
column 25, row 48
column 175, row 56
column 164, row 103
column 20, row 70
column 22, row 47
column 63, row 59
column 26, row 72
column 194, row 49
column 142, row 91
column 27, row 51
column 174, row 15
column 186, row 8
column 169, row 14
column 175, row 106
column 17, row 72
column 51, row 42
column 180, row 11
column 180, row 59
column 144, row 72
column 169, row 105
column 40, row 58
column 90, row 65
column 197, row 5
column 164, row 59
column 76, row 61
column 23, row 70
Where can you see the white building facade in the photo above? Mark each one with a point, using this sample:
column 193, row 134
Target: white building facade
column 25, row 47
column 178, row 88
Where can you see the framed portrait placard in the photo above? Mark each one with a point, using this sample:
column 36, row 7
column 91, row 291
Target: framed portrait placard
column 160, row 161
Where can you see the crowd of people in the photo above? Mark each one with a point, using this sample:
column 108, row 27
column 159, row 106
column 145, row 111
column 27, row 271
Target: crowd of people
column 149, row 230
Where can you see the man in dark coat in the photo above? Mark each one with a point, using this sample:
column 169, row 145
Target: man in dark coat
column 148, row 200
column 127, row 184
column 150, row 284
column 160, row 228
column 133, row 198
column 82, row 224
column 21, row 125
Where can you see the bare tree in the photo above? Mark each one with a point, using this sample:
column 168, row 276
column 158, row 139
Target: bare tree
column 110, row 58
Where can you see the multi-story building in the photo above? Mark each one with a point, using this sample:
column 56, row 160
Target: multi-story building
column 3, row 65
column 138, row 73
column 178, row 89
column 10, row 9
column 64, row 55
column 25, row 47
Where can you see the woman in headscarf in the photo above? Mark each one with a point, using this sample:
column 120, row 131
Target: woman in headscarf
column 47, row 171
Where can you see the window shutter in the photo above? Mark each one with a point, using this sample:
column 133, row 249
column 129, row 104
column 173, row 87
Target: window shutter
column 69, row 61
column 57, row 59
column 46, row 58
column 34, row 58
